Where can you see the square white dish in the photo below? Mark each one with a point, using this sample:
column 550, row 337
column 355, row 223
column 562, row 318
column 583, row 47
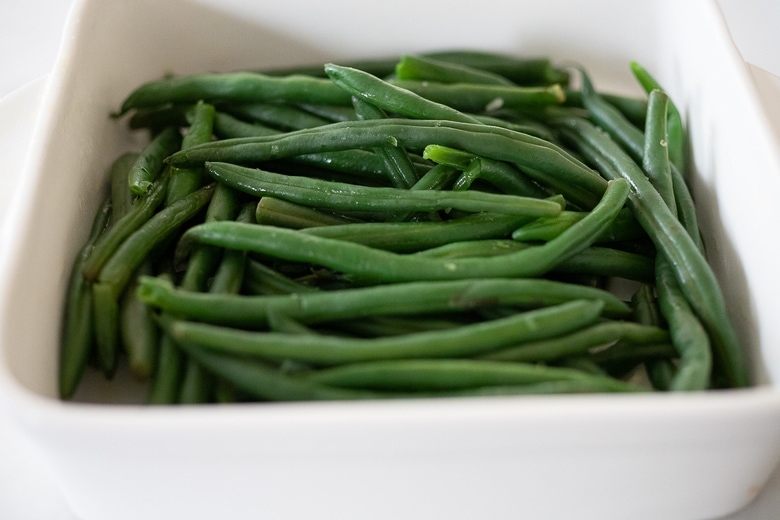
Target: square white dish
column 692, row 456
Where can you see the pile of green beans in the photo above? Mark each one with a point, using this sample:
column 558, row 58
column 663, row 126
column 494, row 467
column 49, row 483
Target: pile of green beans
column 447, row 224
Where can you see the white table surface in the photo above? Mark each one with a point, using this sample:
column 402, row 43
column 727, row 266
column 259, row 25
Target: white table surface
column 29, row 42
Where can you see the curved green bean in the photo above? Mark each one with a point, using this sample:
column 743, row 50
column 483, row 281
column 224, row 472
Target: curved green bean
column 364, row 262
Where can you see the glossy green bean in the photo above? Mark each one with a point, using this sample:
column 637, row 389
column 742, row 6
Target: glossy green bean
column 633, row 142
column 470, row 98
column 400, row 168
column 463, row 341
column 624, row 227
column 688, row 335
column 694, row 275
column 136, row 217
column 414, row 298
column 355, row 162
column 364, row 262
column 276, row 212
column 676, row 129
column 281, row 117
column 392, row 98
column 186, row 180
column 149, row 162
column 345, row 196
column 407, row 237
column 246, row 87
column 425, row 68
column 539, row 159
column 655, row 159
column 597, row 261
column 519, row 69
column 118, row 270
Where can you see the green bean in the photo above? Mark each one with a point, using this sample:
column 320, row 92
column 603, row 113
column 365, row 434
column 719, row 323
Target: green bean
column 414, row 298
column 246, row 87
column 169, row 369
column 277, row 212
column 344, row 196
column 694, row 275
column 676, row 129
column 645, row 310
column 688, row 335
column 467, row 340
column 117, row 271
column 356, row 162
column 425, row 375
column 196, row 384
column 333, row 114
column 158, row 118
column 78, row 333
column 400, row 169
column 422, row 68
column 506, row 178
column 632, row 140
column 138, row 332
column 406, row 237
column 389, row 97
column 275, row 115
column 364, row 262
column 149, row 162
column 262, row 279
column 438, row 177
column 520, row 70
column 624, row 227
column 655, row 159
column 633, row 109
column 485, row 98
column 133, row 251
column 186, row 180
column 229, row 275
column 224, row 205
column 266, row 382
column 446, row 155
column 108, row 243
column 581, row 341
column 139, row 335
column 539, row 159
column 121, row 197
column 599, row 261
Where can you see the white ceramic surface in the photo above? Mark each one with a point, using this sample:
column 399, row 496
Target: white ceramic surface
column 640, row 457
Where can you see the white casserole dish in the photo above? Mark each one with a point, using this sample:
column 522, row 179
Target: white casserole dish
column 652, row 456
